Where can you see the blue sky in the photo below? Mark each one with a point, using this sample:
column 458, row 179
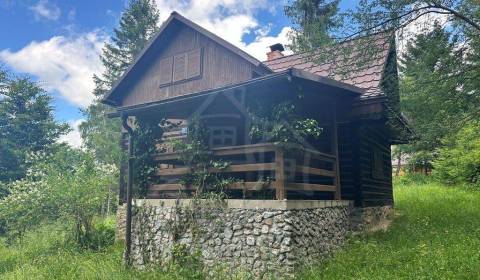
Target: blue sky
column 58, row 42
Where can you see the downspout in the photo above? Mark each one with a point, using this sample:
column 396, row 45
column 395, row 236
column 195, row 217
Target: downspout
column 128, row 224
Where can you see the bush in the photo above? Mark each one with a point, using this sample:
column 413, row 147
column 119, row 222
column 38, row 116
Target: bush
column 459, row 161
column 68, row 185
column 412, row 179
column 102, row 235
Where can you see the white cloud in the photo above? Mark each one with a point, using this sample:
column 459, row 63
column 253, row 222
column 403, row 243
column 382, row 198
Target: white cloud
column 422, row 25
column 63, row 64
column 73, row 138
column 230, row 20
column 259, row 47
column 44, row 9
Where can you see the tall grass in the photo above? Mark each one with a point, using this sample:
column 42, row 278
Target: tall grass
column 436, row 235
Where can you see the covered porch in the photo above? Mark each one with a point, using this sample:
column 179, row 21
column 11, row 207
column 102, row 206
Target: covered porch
column 260, row 169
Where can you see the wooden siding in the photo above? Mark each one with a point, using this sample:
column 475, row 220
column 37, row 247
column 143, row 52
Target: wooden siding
column 375, row 190
column 219, row 67
column 358, row 142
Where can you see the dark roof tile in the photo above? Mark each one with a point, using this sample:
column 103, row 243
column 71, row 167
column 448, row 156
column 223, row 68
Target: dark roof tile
column 343, row 65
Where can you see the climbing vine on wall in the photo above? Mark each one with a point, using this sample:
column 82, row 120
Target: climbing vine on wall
column 281, row 123
column 198, row 157
column 148, row 135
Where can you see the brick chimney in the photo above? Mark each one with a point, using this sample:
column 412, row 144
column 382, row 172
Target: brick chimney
column 275, row 51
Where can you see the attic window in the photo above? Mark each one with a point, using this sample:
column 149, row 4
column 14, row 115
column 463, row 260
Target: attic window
column 181, row 67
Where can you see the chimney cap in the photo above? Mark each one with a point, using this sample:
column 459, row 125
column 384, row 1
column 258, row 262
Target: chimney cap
column 277, row 47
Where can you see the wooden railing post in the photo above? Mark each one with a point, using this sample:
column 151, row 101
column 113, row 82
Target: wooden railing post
column 280, row 193
column 336, row 166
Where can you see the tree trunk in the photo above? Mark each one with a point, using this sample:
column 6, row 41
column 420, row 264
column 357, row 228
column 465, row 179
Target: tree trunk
column 399, row 161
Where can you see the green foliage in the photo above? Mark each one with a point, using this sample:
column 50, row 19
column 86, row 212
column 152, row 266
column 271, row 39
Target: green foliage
column 67, row 185
column 434, row 236
column 412, row 179
column 196, row 155
column 314, row 21
column 103, row 234
column 436, row 101
column 27, row 124
column 282, row 123
column 147, row 137
column 184, row 262
column 137, row 25
column 459, row 160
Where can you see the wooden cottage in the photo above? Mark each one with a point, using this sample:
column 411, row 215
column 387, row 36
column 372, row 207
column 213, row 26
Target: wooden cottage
column 186, row 71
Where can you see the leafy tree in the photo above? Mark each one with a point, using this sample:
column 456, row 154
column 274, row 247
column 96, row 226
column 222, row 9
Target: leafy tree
column 137, row 25
column 27, row 124
column 459, row 160
column 435, row 101
column 67, row 184
column 314, row 21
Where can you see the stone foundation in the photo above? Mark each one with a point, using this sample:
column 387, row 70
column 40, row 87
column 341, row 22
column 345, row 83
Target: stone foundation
column 253, row 235
column 371, row 218
column 121, row 220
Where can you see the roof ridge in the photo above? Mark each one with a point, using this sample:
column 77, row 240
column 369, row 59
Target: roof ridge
column 326, row 46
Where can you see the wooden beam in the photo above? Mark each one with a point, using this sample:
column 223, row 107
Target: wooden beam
column 232, row 168
column 235, row 186
column 315, row 171
column 336, row 179
column 280, row 175
column 310, row 187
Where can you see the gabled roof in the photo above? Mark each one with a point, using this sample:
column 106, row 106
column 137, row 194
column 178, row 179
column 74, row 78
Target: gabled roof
column 255, row 85
column 174, row 17
column 345, row 65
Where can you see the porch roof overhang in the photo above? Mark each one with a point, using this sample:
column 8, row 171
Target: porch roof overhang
column 274, row 83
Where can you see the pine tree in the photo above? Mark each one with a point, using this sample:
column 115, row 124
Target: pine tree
column 314, row 21
column 27, row 124
column 434, row 94
column 137, row 25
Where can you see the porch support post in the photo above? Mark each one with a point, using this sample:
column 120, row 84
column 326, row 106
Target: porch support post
column 280, row 193
column 128, row 223
column 336, row 167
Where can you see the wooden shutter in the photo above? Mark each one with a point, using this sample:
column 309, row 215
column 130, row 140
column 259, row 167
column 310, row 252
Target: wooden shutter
column 179, row 67
column 166, row 65
column 194, row 63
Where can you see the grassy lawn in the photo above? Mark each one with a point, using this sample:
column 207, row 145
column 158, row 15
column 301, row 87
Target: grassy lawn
column 436, row 235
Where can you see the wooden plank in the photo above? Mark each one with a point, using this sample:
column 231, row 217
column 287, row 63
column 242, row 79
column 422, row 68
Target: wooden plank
column 245, row 149
column 280, row 193
column 170, row 187
column 320, row 155
column 173, row 171
column 315, row 171
column 251, row 186
column 248, row 167
column 231, row 168
column 225, row 151
column 235, row 186
column 310, row 187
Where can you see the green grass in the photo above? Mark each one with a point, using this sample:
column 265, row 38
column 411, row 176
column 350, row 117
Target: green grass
column 436, row 235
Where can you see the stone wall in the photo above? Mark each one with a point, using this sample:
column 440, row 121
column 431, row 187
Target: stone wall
column 241, row 234
column 371, row 218
column 121, row 220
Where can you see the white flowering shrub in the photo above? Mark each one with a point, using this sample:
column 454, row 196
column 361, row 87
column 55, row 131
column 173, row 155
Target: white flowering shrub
column 68, row 184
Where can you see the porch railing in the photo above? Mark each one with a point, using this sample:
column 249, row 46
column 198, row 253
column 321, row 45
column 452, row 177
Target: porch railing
column 291, row 171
